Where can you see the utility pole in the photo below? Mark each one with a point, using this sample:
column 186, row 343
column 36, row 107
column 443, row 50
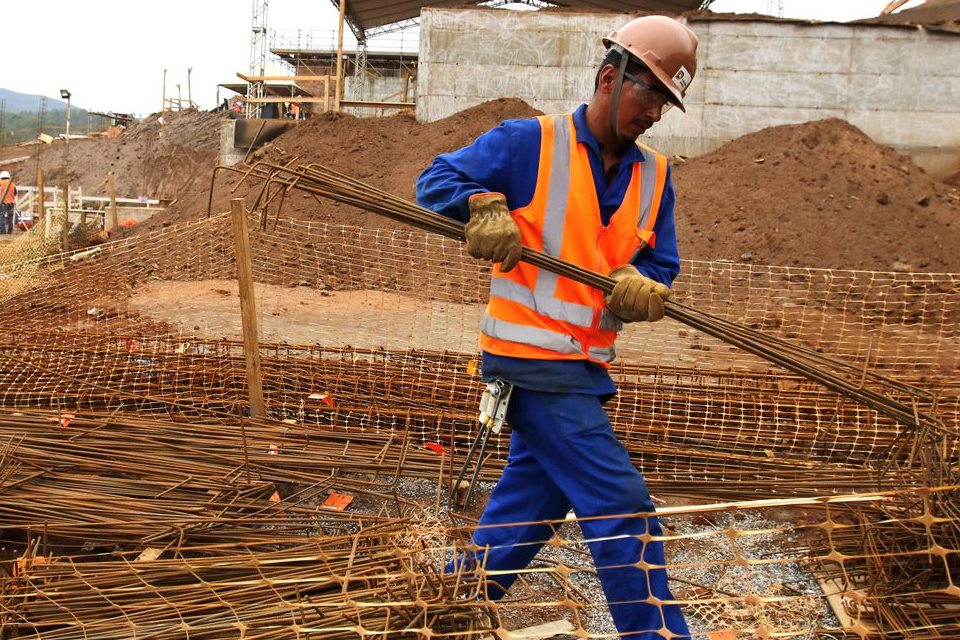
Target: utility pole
column 41, row 113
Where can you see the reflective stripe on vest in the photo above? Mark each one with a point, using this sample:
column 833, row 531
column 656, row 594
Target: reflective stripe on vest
column 597, row 326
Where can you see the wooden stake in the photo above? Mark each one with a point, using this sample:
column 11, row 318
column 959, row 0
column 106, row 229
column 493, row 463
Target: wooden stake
column 163, row 107
column 40, row 213
column 248, row 309
column 112, row 192
column 65, row 229
column 83, row 211
column 340, row 70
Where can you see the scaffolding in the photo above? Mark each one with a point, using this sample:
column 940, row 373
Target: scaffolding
column 258, row 57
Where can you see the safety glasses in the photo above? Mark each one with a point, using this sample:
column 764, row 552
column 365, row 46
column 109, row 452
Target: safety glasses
column 648, row 94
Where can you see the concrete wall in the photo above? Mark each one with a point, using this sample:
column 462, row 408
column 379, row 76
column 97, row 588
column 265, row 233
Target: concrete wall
column 376, row 89
column 901, row 86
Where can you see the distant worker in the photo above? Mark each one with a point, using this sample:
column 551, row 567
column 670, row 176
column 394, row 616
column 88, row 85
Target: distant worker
column 581, row 188
column 8, row 202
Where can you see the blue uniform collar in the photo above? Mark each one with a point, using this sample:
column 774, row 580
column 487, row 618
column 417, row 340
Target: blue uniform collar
column 585, row 136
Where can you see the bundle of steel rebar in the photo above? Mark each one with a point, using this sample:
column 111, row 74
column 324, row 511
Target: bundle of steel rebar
column 370, row 583
column 713, row 429
column 896, row 563
column 117, row 479
column 856, row 383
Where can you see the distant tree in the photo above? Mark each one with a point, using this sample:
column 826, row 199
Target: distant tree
column 21, row 127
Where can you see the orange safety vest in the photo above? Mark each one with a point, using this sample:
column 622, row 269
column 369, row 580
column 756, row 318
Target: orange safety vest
column 534, row 313
column 8, row 191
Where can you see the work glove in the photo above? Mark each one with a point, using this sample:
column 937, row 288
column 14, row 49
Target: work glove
column 491, row 232
column 635, row 296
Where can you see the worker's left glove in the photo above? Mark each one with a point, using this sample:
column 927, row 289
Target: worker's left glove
column 635, row 296
column 492, row 233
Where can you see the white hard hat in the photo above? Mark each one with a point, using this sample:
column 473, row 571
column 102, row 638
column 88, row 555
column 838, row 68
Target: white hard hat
column 4, row 175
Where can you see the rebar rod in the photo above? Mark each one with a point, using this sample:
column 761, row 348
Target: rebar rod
column 326, row 182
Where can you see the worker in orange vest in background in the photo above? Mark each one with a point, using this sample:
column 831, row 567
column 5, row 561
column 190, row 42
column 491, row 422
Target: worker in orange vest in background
column 8, row 202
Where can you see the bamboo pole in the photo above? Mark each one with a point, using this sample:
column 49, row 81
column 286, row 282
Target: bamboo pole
column 248, row 310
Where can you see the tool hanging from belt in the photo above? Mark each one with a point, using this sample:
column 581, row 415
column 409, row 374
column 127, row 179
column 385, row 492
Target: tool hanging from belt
column 493, row 413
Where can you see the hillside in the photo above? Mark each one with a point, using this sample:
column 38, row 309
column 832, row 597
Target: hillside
column 21, row 119
column 15, row 102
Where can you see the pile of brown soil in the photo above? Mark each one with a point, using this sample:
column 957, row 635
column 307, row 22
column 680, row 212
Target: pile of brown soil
column 388, row 153
column 938, row 13
column 150, row 159
column 818, row 194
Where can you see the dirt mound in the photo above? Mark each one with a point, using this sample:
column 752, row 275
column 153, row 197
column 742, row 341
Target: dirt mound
column 818, row 194
column 938, row 13
column 149, row 160
column 388, row 152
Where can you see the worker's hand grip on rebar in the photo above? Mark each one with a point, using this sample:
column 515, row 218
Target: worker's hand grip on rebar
column 492, row 234
column 635, row 296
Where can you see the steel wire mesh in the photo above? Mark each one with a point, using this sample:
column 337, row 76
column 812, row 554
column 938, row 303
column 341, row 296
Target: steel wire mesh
column 371, row 376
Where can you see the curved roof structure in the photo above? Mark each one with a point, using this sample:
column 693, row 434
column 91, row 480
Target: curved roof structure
column 372, row 17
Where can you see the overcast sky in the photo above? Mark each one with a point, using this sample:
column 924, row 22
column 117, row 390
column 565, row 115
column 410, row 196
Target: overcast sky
column 112, row 55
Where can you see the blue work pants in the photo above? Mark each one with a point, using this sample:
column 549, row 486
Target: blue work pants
column 563, row 454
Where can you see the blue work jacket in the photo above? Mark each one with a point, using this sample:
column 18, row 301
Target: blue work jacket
column 505, row 160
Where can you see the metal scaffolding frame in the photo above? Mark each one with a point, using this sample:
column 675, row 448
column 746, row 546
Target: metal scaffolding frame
column 258, row 56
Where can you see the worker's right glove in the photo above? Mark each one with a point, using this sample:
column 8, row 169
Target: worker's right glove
column 492, row 233
column 635, row 296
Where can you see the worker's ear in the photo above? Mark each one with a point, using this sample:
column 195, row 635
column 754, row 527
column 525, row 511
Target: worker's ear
column 606, row 79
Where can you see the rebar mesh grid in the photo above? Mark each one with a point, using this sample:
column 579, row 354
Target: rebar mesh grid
column 126, row 367
column 873, row 565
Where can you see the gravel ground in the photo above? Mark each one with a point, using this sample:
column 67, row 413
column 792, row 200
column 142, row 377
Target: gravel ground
column 704, row 556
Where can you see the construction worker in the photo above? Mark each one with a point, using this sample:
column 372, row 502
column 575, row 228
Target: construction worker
column 8, row 202
column 580, row 187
